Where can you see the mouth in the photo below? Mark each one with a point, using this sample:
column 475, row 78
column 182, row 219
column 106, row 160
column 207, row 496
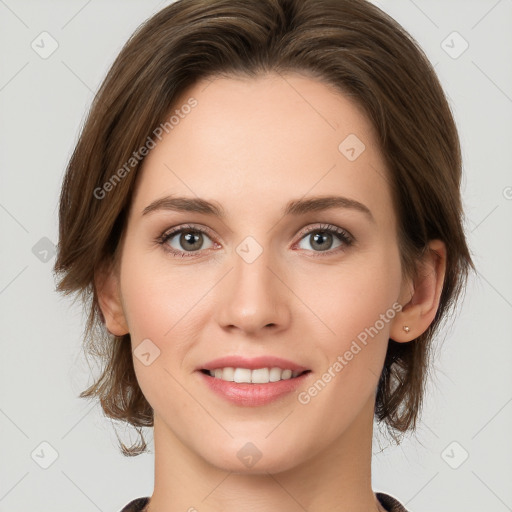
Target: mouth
column 245, row 387
column 254, row 376
column 253, row 381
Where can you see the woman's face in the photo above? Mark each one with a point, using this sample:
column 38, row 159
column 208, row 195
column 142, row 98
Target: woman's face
column 279, row 275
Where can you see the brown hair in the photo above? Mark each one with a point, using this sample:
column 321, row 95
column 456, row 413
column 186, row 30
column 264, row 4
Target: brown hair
column 349, row 44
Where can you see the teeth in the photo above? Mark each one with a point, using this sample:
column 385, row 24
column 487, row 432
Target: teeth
column 257, row 376
column 275, row 374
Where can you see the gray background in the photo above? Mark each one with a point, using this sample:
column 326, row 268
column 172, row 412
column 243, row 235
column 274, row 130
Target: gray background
column 43, row 102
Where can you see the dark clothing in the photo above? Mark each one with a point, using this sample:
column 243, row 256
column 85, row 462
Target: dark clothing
column 388, row 502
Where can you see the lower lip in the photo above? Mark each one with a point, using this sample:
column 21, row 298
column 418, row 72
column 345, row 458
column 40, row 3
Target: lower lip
column 252, row 395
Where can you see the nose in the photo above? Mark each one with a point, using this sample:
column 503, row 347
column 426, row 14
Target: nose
column 253, row 297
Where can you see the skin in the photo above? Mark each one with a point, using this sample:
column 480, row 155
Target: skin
column 252, row 145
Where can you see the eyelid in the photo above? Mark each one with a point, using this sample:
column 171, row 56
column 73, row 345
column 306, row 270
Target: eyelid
column 345, row 237
column 322, row 226
column 183, row 227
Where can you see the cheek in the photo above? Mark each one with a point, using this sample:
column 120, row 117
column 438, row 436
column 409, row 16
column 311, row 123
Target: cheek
column 356, row 310
column 165, row 307
column 159, row 300
column 356, row 305
column 351, row 298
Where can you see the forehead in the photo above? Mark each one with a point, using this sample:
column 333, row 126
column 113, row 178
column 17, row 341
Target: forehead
column 265, row 140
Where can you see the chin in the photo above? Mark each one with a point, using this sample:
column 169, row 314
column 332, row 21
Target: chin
column 252, row 458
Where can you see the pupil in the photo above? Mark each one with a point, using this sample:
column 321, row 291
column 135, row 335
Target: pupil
column 193, row 240
column 322, row 235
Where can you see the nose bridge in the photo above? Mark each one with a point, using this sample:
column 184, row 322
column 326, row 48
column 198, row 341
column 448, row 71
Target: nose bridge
column 252, row 296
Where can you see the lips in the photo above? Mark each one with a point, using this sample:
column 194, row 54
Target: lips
column 254, row 381
column 253, row 363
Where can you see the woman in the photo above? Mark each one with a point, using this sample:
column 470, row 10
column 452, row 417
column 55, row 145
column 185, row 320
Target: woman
column 263, row 217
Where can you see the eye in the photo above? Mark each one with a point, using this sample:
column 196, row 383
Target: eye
column 191, row 240
column 324, row 238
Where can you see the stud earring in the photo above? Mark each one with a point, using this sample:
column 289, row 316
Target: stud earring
column 406, row 328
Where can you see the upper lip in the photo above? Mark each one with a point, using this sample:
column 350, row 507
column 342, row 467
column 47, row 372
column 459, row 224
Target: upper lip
column 252, row 363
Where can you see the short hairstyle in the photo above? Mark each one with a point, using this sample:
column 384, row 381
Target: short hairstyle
column 350, row 45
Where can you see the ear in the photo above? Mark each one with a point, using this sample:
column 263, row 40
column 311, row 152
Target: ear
column 106, row 282
column 420, row 297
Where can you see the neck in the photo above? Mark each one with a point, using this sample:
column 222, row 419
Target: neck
column 337, row 479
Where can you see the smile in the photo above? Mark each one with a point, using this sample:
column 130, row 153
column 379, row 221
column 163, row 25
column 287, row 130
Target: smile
column 256, row 376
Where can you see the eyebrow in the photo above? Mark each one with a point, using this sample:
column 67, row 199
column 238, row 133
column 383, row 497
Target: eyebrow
column 294, row 207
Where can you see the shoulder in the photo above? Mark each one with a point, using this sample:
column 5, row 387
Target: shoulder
column 136, row 505
column 389, row 503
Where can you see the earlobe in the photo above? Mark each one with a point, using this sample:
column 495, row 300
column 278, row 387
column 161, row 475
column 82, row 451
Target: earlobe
column 421, row 296
column 109, row 299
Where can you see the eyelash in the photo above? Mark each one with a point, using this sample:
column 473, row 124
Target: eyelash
column 341, row 234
